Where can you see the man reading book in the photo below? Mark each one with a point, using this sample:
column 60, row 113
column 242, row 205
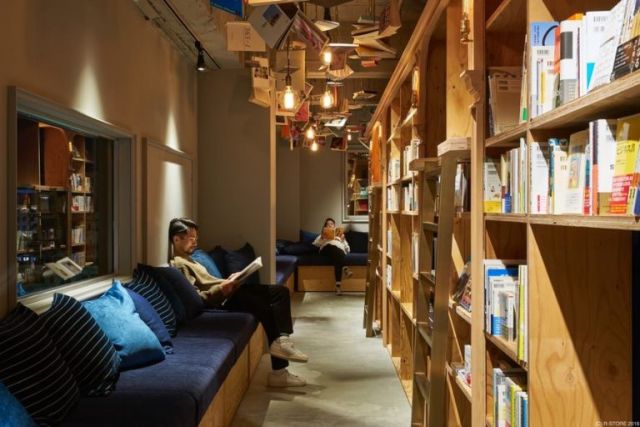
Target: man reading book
column 270, row 304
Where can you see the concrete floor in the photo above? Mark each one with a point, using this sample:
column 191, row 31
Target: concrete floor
column 351, row 380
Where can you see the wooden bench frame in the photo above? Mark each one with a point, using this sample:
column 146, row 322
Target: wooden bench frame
column 321, row 278
column 223, row 408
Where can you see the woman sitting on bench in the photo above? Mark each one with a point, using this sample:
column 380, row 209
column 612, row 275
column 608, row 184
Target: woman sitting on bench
column 333, row 244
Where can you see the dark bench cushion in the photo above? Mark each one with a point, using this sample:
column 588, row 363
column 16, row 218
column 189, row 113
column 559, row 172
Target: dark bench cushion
column 358, row 241
column 236, row 327
column 319, row 260
column 285, row 267
column 184, row 384
column 356, row 259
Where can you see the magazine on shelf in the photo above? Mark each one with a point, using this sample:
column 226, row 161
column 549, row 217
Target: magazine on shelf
column 64, row 268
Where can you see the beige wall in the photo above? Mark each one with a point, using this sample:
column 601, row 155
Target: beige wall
column 236, row 158
column 288, row 192
column 102, row 58
column 309, row 190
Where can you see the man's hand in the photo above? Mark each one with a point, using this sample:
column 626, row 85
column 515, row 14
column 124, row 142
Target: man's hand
column 229, row 285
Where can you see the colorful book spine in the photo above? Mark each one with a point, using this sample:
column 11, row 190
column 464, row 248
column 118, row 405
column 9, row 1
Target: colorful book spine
column 627, row 144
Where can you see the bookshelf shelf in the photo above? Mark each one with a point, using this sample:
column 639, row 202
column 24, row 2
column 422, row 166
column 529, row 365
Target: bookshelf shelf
column 430, row 226
column 464, row 388
column 419, row 165
column 411, row 213
column 407, row 308
column 506, row 217
column 463, row 313
column 509, row 17
column 603, row 222
column 407, row 178
column 428, row 276
column 424, row 333
column 508, row 348
column 615, row 99
column 422, row 385
column 508, row 139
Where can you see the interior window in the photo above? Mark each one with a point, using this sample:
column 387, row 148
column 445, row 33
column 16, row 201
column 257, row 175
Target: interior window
column 356, row 185
column 64, row 206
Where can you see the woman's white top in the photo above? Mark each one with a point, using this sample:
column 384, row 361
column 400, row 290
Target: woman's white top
column 341, row 244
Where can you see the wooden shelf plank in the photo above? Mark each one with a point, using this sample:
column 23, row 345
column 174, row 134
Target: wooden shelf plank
column 423, row 385
column 430, row 277
column 509, row 138
column 407, row 178
column 509, row 17
column 431, row 226
column 613, row 100
column 508, row 348
column 410, row 213
column 393, row 212
column 463, row 313
column 464, row 388
column 422, row 163
column 506, row 217
column 407, row 309
column 602, row 221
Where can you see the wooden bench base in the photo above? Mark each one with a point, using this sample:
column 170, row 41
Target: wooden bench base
column 223, row 408
column 322, row 279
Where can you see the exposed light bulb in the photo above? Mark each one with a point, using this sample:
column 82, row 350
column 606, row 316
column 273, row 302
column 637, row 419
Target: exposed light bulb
column 314, row 146
column 327, row 57
column 327, row 99
column 349, row 136
column 311, row 132
column 289, row 99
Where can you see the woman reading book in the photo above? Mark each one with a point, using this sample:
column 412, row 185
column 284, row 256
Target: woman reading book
column 333, row 244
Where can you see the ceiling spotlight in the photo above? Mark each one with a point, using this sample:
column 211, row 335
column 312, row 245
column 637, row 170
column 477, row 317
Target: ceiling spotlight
column 327, row 99
column 327, row 57
column 200, row 66
column 314, row 146
column 310, row 133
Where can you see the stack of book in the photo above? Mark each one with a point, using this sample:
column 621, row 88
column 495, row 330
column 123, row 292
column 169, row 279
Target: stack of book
column 77, row 235
column 410, row 152
column 571, row 57
column 506, row 302
column 415, row 253
column 410, row 197
column 505, row 84
column 394, row 170
column 392, row 199
column 510, row 399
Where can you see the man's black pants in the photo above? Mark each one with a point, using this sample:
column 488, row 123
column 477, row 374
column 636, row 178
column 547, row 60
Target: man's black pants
column 271, row 305
column 336, row 255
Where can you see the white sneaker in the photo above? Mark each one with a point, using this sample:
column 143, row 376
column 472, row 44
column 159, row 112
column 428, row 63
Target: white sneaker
column 285, row 379
column 346, row 271
column 338, row 289
column 284, row 349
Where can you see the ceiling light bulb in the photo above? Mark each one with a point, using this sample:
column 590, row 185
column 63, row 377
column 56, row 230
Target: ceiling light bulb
column 314, row 146
column 327, row 99
column 327, row 57
column 311, row 132
column 289, row 99
column 349, row 136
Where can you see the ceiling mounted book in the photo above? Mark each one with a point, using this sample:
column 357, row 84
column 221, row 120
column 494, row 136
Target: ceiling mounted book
column 272, row 22
column 326, row 25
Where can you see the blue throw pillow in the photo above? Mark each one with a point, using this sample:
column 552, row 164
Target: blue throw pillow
column 32, row 368
column 281, row 244
column 145, row 285
column 166, row 288
column 239, row 259
column 300, row 248
column 308, row 236
column 189, row 298
column 217, row 254
column 89, row 353
column 13, row 413
column 151, row 318
column 116, row 314
column 204, row 259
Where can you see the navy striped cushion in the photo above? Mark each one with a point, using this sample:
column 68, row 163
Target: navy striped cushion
column 32, row 368
column 145, row 285
column 89, row 353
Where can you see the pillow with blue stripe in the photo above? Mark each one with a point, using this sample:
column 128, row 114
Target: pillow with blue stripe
column 13, row 413
column 167, row 289
column 33, row 369
column 152, row 319
column 116, row 314
column 85, row 348
column 145, row 285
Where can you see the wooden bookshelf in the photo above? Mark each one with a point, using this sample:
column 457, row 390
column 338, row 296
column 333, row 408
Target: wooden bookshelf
column 579, row 268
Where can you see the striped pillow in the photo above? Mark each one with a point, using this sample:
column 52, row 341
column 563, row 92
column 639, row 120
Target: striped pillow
column 89, row 353
column 145, row 285
column 32, row 368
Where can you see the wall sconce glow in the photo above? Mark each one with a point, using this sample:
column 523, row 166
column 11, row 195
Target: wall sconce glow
column 88, row 99
column 310, row 133
column 289, row 99
column 171, row 133
column 327, row 57
column 314, row 146
column 327, row 99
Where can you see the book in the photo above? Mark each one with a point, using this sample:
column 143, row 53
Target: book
column 272, row 22
column 309, row 33
column 498, row 275
column 492, row 187
column 607, row 50
column 558, row 174
column 591, row 37
column 541, row 74
column 260, row 82
column 627, row 144
column 602, row 135
column 539, row 172
column 574, row 196
column 567, row 55
column 504, row 98
column 244, row 274
column 389, row 20
column 241, row 37
column 627, row 58
column 64, row 268
column 330, row 233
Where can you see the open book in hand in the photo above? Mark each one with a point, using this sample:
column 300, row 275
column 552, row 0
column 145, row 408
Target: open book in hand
column 244, row 274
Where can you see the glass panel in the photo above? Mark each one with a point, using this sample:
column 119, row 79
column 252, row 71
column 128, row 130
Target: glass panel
column 357, row 183
column 65, row 207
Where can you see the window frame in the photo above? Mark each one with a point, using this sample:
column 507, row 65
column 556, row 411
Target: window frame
column 23, row 102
